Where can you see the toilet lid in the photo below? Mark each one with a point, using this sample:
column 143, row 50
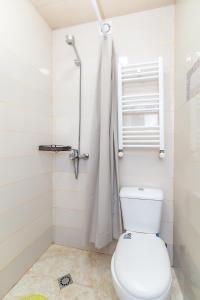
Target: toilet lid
column 142, row 266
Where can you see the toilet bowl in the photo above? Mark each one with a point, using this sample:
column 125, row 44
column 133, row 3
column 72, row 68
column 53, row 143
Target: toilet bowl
column 140, row 268
column 140, row 265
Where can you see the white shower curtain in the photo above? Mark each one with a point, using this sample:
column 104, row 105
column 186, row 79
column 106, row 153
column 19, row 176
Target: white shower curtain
column 104, row 182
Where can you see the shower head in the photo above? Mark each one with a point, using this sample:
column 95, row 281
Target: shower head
column 70, row 40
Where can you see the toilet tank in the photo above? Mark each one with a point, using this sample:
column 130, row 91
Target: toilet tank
column 141, row 209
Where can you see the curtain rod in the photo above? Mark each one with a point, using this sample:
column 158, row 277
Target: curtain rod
column 99, row 17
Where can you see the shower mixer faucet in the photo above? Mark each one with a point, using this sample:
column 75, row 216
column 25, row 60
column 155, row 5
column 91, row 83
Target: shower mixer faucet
column 75, row 155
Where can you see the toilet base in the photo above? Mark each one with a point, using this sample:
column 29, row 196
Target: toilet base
column 124, row 295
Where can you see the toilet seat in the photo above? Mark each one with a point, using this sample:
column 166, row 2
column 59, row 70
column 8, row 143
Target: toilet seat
column 141, row 267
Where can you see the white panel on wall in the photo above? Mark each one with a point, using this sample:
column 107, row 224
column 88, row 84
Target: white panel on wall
column 25, row 122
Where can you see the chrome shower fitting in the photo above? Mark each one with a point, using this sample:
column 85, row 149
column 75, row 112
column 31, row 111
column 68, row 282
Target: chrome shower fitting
column 84, row 156
column 70, row 40
column 75, row 155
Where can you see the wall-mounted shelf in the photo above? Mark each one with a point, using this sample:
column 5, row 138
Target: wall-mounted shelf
column 54, row 148
column 140, row 105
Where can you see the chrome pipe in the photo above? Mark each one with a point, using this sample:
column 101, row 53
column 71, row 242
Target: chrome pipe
column 75, row 156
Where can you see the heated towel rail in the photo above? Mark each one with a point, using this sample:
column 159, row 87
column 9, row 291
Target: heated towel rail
column 141, row 106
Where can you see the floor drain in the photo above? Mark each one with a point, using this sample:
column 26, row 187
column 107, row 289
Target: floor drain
column 65, row 281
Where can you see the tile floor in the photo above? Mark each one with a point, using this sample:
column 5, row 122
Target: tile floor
column 90, row 273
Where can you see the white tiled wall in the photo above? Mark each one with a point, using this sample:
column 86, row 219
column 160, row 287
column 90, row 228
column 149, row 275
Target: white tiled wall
column 187, row 150
column 140, row 37
column 25, row 122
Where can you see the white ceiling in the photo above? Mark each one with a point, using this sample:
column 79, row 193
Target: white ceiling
column 62, row 13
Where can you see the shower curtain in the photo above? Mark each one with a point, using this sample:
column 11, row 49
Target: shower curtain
column 106, row 214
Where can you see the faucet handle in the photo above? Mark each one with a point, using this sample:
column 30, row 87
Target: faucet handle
column 74, row 154
column 84, row 156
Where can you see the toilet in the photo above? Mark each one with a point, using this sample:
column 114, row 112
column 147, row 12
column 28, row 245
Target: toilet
column 140, row 265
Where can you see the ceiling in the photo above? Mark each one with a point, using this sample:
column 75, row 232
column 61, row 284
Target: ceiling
column 63, row 13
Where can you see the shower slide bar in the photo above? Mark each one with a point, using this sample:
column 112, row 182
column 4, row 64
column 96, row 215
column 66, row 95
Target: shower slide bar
column 143, row 105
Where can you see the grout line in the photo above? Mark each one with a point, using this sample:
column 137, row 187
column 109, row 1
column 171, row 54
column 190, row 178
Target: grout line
column 34, row 154
column 25, row 225
column 32, row 242
column 25, row 202
column 26, row 109
column 26, row 178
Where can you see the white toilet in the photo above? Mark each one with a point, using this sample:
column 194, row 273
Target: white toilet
column 140, row 265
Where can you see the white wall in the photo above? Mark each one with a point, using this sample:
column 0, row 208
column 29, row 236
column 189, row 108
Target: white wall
column 140, row 37
column 25, row 122
column 187, row 151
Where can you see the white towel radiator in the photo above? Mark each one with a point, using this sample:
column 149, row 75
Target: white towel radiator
column 141, row 106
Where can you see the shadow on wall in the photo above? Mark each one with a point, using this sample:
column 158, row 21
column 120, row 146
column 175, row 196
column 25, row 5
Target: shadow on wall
column 187, row 248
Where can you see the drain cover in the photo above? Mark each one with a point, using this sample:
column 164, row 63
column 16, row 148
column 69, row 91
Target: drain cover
column 65, row 281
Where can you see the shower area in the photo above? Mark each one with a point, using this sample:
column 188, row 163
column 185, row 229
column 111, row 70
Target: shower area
column 88, row 107
column 76, row 155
